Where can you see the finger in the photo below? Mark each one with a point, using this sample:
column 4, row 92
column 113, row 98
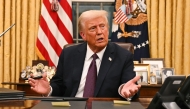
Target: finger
column 31, row 83
column 135, row 79
column 133, row 92
column 44, row 75
column 139, row 86
column 33, row 88
column 127, row 95
column 31, row 80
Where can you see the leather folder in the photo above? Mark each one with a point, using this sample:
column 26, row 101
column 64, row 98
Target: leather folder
column 54, row 98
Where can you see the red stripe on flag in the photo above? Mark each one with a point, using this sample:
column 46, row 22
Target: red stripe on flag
column 120, row 17
column 50, row 36
column 67, row 8
column 63, row 30
column 44, row 51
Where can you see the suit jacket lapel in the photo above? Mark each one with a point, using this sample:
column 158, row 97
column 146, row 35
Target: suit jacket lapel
column 104, row 67
column 78, row 61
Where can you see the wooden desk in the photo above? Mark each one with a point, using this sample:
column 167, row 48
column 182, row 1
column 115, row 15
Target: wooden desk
column 28, row 104
column 146, row 91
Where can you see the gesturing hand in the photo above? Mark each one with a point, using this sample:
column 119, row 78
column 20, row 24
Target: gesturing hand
column 41, row 85
column 130, row 88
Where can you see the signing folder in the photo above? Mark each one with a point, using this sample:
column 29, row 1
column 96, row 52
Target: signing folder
column 6, row 94
column 55, row 98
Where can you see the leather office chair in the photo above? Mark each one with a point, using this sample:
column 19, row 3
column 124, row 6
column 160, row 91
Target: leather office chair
column 127, row 46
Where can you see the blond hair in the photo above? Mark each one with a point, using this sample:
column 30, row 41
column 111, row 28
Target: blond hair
column 91, row 14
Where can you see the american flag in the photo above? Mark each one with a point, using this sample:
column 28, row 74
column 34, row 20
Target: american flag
column 120, row 16
column 55, row 30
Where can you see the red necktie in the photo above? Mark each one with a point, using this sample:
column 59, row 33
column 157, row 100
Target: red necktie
column 91, row 78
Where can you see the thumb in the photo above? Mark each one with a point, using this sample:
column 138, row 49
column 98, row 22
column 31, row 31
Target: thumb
column 135, row 79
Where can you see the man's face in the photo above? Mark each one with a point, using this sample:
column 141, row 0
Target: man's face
column 96, row 32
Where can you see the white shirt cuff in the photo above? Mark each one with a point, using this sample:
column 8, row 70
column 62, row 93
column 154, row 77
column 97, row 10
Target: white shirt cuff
column 50, row 91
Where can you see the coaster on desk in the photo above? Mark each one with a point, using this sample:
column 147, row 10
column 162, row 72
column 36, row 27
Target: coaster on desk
column 61, row 104
column 121, row 102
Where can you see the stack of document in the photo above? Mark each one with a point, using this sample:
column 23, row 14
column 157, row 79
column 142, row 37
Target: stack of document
column 10, row 94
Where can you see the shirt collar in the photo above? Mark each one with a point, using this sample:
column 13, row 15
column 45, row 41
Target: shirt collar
column 90, row 53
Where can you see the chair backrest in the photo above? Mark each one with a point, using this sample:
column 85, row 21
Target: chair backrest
column 127, row 46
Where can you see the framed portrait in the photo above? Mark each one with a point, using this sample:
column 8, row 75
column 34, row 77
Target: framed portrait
column 142, row 67
column 144, row 77
column 153, row 79
column 167, row 72
column 158, row 73
column 154, row 63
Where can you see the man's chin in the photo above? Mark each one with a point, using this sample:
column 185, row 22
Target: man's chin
column 101, row 44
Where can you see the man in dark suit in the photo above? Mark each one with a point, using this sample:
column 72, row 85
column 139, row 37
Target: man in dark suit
column 115, row 75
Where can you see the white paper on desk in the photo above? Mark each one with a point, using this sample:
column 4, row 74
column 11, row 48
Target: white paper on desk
column 61, row 104
column 121, row 102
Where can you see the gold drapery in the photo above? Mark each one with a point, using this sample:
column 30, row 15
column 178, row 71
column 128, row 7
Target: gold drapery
column 169, row 35
column 17, row 49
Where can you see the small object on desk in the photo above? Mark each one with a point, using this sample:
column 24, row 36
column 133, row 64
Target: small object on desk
column 61, row 104
column 121, row 102
column 23, row 74
column 36, row 71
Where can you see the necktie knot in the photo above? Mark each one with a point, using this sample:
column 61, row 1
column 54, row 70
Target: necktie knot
column 94, row 56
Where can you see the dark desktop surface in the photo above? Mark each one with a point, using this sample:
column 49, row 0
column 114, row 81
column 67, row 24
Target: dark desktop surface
column 95, row 105
column 40, row 104
column 48, row 105
column 111, row 105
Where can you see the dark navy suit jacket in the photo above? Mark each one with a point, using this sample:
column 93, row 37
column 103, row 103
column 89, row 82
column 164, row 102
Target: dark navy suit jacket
column 112, row 73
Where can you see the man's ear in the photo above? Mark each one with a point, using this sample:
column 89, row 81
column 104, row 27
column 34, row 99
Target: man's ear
column 83, row 36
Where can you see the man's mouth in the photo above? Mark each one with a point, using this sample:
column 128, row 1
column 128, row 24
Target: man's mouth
column 100, row 39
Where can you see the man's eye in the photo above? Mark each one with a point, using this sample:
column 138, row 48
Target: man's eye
column 92, row 28
column 102, row 26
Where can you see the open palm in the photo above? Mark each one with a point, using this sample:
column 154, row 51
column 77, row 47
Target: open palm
column 40, row 86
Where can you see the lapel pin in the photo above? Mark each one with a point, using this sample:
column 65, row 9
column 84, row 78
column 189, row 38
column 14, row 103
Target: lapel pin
column 109, row 59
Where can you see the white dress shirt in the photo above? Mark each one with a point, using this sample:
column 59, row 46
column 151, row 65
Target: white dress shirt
column 87, row 61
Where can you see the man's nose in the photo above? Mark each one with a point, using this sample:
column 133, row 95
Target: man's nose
column 99, row 30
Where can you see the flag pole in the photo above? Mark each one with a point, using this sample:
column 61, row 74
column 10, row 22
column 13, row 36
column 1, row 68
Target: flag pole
column 6, row 31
